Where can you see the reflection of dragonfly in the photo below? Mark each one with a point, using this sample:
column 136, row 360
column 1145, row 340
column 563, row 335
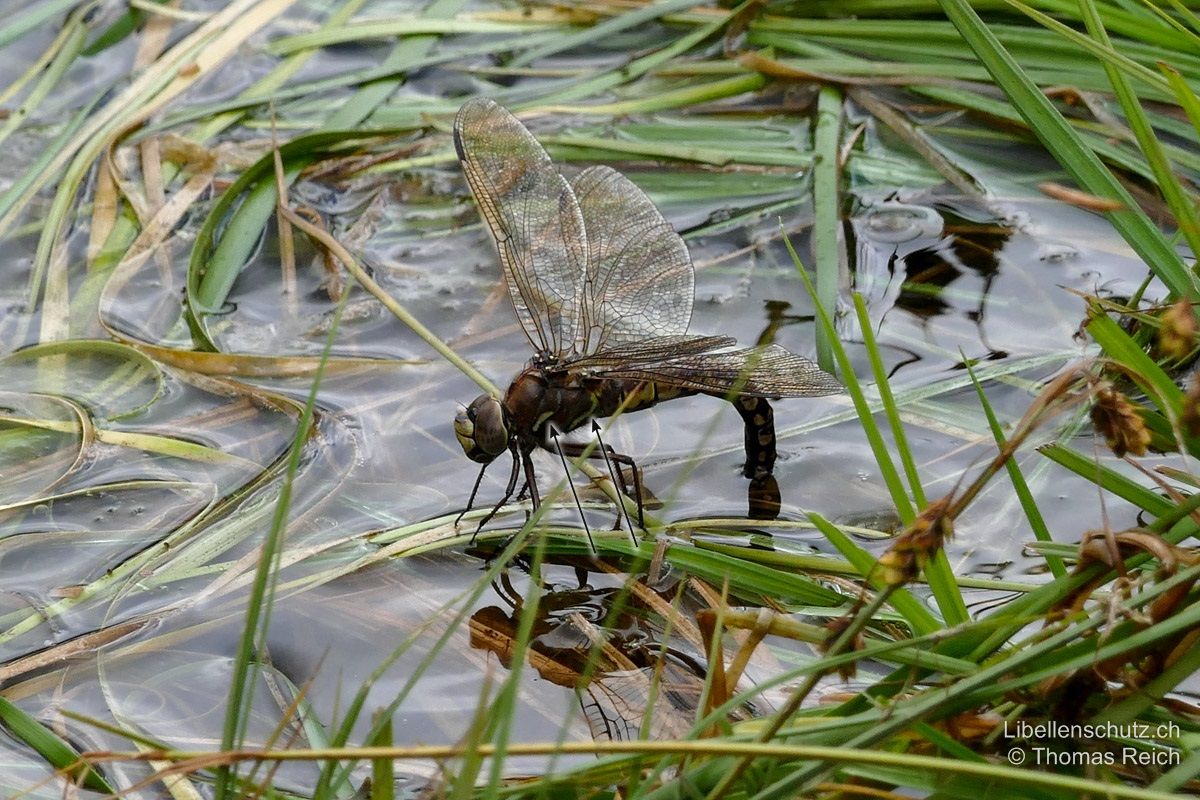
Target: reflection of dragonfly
column 603, row 287
column 626, row 673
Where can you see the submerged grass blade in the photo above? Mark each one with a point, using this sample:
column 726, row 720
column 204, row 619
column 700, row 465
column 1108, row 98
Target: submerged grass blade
column 244, row 229
column 828, row 254
column 261, row 596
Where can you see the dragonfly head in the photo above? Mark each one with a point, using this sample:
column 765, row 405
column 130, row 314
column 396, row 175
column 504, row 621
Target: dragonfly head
column 482, row 429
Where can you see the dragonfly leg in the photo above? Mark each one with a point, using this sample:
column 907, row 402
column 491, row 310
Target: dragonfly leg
column 530, row 478
column 474, row 492
column 508, row 493
column 575, row 449
column 759, row 419
column 622, row 459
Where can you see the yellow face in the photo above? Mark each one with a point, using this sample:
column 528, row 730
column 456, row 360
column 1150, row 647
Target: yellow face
column 482, row 429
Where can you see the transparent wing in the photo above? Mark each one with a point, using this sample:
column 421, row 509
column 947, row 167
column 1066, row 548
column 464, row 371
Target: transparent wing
column 640, row 282
column 662, row 348
column 618, row 704
column 758, row 372
column 533, row 217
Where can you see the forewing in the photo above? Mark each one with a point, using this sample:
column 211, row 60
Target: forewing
column 651, row 351
column 759, row 372
column 640, row 282
column 533, row 217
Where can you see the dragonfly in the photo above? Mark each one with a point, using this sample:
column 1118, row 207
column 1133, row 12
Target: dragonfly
column 603, row 288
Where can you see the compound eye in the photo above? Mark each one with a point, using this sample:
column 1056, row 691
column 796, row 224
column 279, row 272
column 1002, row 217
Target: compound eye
column 481, row 429
column 490, row 425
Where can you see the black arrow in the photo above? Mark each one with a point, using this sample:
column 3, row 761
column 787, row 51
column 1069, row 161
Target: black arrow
column 617, row 484
column 571, row 483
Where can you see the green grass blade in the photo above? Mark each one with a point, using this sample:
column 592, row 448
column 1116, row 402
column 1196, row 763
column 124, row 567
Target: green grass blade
column 1177, row 200
column 1153, row 380
column 941, row 577
column 608, row 80
column 50, row 77
column 383, row 770
column 35, row 16
column 1100, row 48
column 826, row 241
column 58, row 754
column 359, row 32
column 904, row 505
column 1028, row 504
column 1065, row 144
column 261, row 595
column 917, row 615
column 888, row 400
column 1108, row 479
column 1187, row 98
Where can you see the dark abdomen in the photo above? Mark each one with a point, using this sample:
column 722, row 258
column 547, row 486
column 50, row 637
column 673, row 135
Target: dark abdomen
column 757, row 416
column 759, row 419
column 633, row 395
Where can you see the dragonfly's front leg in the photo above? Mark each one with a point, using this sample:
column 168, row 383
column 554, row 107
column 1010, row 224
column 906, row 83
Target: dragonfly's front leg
column 474, row 492
column 508, row 493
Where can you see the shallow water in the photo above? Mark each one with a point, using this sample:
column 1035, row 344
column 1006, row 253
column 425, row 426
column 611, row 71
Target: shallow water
column 132, row 513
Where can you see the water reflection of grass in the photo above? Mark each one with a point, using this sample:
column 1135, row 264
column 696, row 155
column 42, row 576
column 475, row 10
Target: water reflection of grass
column 697, row 667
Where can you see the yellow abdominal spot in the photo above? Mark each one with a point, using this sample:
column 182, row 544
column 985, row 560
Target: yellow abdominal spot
column 667, row 392
column 644, row 394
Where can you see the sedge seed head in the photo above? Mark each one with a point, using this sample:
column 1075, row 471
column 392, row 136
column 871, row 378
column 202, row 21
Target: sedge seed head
column 1118, row 421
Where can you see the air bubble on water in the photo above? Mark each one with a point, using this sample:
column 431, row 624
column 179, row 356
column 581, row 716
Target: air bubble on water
column 1057, row 253
column 898, row 222
column 863, row 475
